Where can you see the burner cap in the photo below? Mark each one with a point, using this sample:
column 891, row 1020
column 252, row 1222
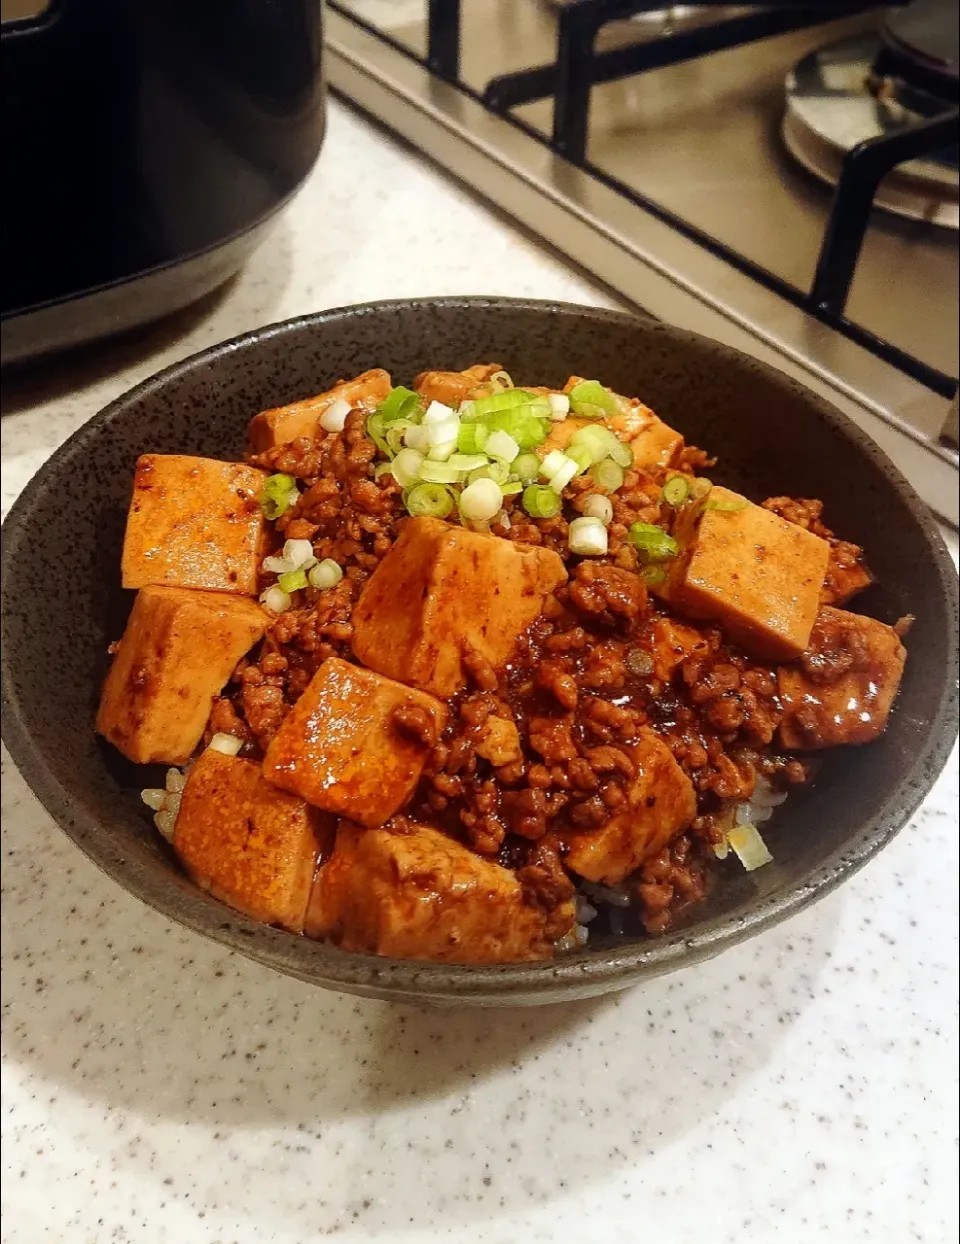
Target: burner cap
column 920, row 44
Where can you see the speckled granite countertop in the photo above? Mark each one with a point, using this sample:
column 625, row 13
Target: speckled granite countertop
column 158, row 1088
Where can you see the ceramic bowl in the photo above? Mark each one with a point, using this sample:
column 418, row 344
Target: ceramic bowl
column 62, row 605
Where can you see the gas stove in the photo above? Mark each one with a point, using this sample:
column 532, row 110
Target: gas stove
column 701, row 162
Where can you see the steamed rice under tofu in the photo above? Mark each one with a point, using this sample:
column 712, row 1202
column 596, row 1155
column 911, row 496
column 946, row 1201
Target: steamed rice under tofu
column 473, row 671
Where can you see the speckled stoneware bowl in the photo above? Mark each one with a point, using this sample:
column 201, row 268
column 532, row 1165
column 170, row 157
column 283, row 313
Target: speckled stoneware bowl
column 771, row 436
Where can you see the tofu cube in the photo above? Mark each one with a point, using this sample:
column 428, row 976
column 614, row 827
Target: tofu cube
column 354, row 743
column 653, row 443
column 661, row 803
column 194, row 523
column 843, row 688
column 287, row 423
column 177, row 652
column 756, row 575
column 418, row 894
column 247, row 843
column 453, row 387
column 442, row 591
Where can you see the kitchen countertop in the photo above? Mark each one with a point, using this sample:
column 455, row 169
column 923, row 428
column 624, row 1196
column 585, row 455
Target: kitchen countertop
column 158, row 1088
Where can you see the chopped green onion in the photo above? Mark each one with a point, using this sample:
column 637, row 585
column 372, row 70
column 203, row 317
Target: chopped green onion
column 275, row 599
column 228, row 744
column 587, row 537
column 334, row 417
column 752, row 851
column 526, row 467
column 526, row 424
column 699, row 487
column 443, row 451
column 439, row 473
column 499, row 472
column 292, row 581
column 382, row 468
column 429, row 500
column 480, row 501
column 438, row 412
column 444, row 431
column 652, row 543
column 468, row 462
column 277, row 495
column 416, row 437
column 540, row 501
column 564, row 474
column 406, row 466
column 325, row 574
column 400, row 403
column 591, row 400
column 725, row 506
column 676, row 490
column 607, row 475
column 552, row 463
column 471, row 437
column 559, row 406
column 501, row 379
column 376, row 432
column 581, row 456
column 600, row 507
column 510, row 399
column 598, row 441
column 501, row 445
column 511, row 488
column 653, row 576
column 622, row 454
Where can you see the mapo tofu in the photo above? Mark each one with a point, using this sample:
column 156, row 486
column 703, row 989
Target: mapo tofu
column 466, row 671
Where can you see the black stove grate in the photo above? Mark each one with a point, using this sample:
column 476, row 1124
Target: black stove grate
column 579, row 66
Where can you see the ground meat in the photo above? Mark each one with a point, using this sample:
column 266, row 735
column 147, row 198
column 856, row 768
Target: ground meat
column 547, row 886
column 607, row 594
column 545, row 745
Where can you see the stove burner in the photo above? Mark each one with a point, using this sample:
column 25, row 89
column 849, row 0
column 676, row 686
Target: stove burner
column 835, row 101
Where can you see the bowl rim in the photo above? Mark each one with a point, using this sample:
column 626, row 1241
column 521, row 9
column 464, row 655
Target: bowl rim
column 584, row 971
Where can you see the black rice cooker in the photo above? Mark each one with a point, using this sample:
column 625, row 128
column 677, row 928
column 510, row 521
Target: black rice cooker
column 147, row 147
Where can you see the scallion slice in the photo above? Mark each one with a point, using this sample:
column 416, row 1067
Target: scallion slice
column 564, row 474
column 400, row 403
column 325, row 574
column 468, row 462
column 676, row 490
column 587, row 537
column 377, row 433
column 499, row 472
column 437, row 412
column 292, row 581
column 601, row 507
column 654, row 576
column 277, row 495
column 501, row 445
column 540, row 501
column 581, row 456
column 596, row 440
column 406, row 466
column 552, row 463
column 227, row 744
column 591, row 400
column 443, row 451
column 607, row 475
column 559, row 406
column 335, row 416
column 429, row 500
column 652, row 543
column 511, row 488
column 471, row 437
column 275, row 599
column 480, row 501
column 526, row 467
column 439, row 473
